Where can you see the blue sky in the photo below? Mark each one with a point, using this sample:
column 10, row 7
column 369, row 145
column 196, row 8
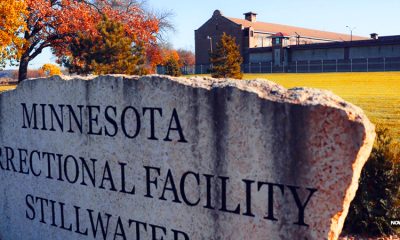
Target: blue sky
column 366, row 16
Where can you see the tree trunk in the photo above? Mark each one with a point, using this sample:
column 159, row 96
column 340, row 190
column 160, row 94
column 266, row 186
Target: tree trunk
column 23, row 68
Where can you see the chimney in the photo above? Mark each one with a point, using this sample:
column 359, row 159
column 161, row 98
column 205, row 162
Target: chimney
column 250, row 16
column 374, row 36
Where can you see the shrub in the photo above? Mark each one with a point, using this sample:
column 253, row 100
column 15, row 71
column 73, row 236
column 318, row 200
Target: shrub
column 377, row 198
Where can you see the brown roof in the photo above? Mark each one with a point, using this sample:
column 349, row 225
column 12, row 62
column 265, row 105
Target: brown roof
column 280, row 34
column 290, row 30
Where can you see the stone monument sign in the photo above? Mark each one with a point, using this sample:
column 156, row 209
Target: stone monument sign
column 118, row 157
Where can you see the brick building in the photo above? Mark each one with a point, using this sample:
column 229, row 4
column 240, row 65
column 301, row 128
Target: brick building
column 282, row 46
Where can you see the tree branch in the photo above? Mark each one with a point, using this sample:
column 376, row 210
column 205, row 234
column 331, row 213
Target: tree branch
column 38, row 50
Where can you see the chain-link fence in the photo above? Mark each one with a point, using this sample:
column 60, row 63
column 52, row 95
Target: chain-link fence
column 314, row 66
column 186, row 70
column 349, row 65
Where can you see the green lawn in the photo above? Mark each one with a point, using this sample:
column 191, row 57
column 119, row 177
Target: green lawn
column 378, row 93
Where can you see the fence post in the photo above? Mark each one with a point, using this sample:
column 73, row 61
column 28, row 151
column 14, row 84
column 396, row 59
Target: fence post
column 201, row 69
column 322, row 61
column 336, row 66
column 367, row 65
column 271, row 66
column 384, row 64
column 308, row 65
column 351, row 65
column 296, row 66
column 260, row 67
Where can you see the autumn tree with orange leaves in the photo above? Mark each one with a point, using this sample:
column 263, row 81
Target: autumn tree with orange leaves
column 12, row 25
column 186, row 57
column 49, row 70
column 56, row 23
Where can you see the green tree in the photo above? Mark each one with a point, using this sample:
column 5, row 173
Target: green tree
column 377, row 198
column 111, row 52
column 226, row 59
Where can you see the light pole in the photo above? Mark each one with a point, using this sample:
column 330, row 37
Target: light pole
column 297, row 38
column 210, row 38
column 351, row 32
column 211, row 50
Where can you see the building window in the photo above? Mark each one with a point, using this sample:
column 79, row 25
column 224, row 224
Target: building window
column 277, row 41
column 260, row 42
column 268, row 42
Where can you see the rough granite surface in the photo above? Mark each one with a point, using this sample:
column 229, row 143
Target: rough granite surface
column 299, row 139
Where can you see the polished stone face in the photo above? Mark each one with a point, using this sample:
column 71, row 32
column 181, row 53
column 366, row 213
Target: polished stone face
column 117, row 157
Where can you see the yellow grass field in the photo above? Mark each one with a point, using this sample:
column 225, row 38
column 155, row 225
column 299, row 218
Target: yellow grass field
column 5, row 88
column 378, row 93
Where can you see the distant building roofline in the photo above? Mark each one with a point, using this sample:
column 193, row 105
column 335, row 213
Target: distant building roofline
column 295, row 31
